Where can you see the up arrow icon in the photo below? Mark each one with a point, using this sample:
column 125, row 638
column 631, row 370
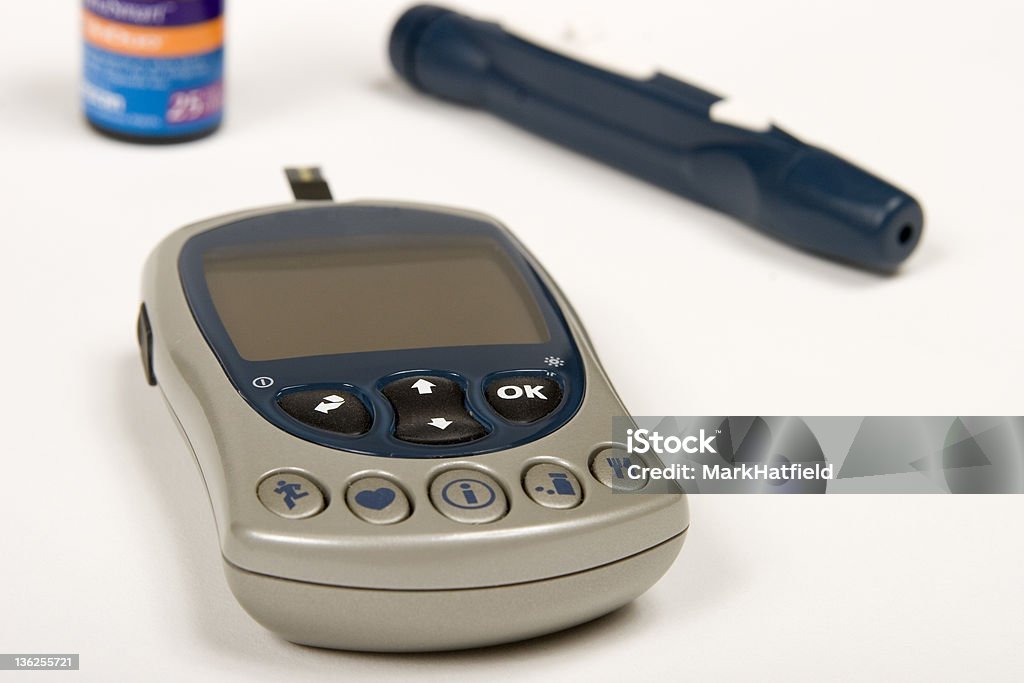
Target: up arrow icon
column 423, row 386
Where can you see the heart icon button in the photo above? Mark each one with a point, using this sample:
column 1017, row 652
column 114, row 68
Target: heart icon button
column 377, row 499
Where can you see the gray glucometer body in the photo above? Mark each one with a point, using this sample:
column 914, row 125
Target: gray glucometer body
column 402, row 427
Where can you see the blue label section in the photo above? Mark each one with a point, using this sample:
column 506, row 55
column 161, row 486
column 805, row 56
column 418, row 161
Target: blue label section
column 153, row 97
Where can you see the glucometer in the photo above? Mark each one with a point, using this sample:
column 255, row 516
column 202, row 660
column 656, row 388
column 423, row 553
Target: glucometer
column 402, row 426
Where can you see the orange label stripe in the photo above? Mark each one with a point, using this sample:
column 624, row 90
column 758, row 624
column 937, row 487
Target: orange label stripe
column 146, row 41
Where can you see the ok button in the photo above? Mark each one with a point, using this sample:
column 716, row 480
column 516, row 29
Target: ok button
column 523, row 399
column 468, row 496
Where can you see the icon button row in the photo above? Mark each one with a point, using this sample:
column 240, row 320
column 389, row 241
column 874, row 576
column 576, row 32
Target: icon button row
column 463, row 495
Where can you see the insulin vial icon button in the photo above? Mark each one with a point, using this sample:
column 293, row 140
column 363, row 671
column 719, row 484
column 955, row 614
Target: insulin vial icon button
column 468, row 496
column 377, row 500
column 333, row 410
column 552, row 486
column 612, row 467
column 290, row 495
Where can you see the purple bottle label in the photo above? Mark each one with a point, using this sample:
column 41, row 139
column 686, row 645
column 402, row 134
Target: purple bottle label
column 156, row 12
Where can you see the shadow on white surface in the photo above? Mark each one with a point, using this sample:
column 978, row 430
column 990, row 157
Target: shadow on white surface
column 46, row 102
column 175, row 487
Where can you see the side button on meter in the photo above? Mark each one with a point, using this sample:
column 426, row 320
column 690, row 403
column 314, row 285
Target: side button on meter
column 145, row 335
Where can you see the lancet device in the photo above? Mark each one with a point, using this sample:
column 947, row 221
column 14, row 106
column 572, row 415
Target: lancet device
column 402, row 426
column 664, row 131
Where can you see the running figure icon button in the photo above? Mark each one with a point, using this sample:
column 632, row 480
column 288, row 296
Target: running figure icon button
column 468, row 496
column 290, row 495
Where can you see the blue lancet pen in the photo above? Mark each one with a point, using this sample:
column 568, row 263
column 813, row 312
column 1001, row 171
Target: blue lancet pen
column 661, row 129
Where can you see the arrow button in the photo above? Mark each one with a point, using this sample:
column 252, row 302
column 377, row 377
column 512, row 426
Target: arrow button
column 431, row 410
column 330, row 409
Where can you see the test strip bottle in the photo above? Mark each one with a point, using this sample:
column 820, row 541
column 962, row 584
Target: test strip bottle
column 154, row 69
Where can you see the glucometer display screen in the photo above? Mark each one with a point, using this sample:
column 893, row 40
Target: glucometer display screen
column 348, row 295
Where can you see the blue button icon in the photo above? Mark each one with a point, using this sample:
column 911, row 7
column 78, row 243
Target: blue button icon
column 377, row 499
column 619, row 466
column 561, row 483
column 290, row 492
column 468, row 494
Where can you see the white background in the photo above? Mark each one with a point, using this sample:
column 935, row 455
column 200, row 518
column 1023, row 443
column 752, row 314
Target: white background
column 108, row 543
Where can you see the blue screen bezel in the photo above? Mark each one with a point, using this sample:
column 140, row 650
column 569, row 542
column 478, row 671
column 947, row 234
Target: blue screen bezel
column 365, row 373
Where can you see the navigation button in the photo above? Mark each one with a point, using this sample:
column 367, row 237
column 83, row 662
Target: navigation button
column 523, row 399
column 468, row 496
column 431, row 410
column 290, row 495
column 333, row 410
column 377, row 500
column 552, row 486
